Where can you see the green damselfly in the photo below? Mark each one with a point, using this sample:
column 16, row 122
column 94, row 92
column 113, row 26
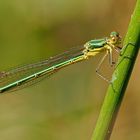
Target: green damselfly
column 26, row 75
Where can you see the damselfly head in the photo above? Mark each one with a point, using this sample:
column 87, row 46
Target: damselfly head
column 115, row 38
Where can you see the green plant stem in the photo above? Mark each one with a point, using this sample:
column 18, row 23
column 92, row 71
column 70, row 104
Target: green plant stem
column 120, row 79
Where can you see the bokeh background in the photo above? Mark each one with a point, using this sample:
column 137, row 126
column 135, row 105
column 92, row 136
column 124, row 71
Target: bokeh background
column 65, row 106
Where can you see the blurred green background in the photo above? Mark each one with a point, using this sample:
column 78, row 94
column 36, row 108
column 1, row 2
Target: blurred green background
column 65, row 106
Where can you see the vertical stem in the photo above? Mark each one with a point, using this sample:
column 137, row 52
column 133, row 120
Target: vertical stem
column 120, row 79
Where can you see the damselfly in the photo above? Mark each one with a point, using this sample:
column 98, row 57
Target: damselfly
column 26, row 75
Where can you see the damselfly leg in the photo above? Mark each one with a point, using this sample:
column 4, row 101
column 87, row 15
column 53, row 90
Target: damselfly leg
column 99, row 66
column 111, row 62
